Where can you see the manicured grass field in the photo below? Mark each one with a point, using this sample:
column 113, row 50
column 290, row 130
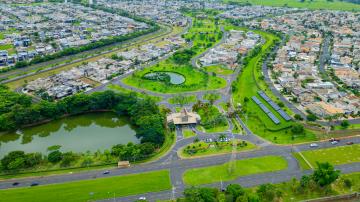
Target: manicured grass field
column 352, row 126
column 195, row 79
column 182, row 100
column 124, row 90
column 316, row 4
column 233, row 170
column 247, row 85
column 207, row 149
column 219, row 69
column 90, row 190
column 335, row 155
column 188, row 133
column 212, row 96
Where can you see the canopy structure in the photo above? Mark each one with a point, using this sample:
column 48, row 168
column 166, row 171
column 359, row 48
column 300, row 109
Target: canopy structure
column 183, row 118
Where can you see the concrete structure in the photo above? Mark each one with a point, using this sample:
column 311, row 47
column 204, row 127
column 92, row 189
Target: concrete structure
column 183, row 118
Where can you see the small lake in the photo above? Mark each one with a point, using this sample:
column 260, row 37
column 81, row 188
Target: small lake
column 175, row 78
column 88, row 132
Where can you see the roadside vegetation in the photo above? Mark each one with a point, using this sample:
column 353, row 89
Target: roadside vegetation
column 187, row 133
column 94, row 189
column 182, row 99
column 200, row 149
column 120, row 89
column 323, row 182
column 335, row 156
column 234, row 169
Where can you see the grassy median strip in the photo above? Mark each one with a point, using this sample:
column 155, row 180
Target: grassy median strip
column 233, row 170
column 335, row 155
column 200, row 149
column 90, row 190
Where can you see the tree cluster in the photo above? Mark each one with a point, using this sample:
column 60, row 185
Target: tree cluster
column 319, row 181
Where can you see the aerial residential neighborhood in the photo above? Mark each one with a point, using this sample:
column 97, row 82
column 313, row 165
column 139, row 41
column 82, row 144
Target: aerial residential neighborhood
column 179, row 100
column 31, row 31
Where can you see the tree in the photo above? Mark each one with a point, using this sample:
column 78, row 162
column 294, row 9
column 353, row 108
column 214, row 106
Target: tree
column 297, row 129
column 67, row 159
column 234, row 191
column 325, row 174
column 345, row 124
column 268, row 192
column 55, row 156
column 194, row 194
column 311, row 117
column 13, row 160
column 298, row 117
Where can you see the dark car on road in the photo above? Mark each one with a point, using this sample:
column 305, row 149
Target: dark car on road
column 34, row 184
column 15, row 184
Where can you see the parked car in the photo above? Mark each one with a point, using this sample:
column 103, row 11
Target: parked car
column 350, row 143
column 34, row 184
column 106, row 172
column 314, row 145
column 15, row 184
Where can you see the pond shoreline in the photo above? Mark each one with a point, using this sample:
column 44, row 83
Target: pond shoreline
column 50, row 120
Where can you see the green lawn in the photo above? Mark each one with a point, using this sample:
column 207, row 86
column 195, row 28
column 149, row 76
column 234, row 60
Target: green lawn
column 237, row 127
column 182, row 100
column 219, row 69
column 124, row 90
column 212, row 96
column 247, row 85
column 188, row 133
column 195, row 80
column 101, row 188
column 205, row 149
column 335, row 155
column 212, row 120
column 352, row 126
column 233, row 170
column 316, row 4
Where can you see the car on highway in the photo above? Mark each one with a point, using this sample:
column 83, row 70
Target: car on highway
column 334, row 142
column 33, row 184
column 312, row 145
column 334, row 139
column 15, row 184
column 106, row 172
column 143, row 198
column 350, row 143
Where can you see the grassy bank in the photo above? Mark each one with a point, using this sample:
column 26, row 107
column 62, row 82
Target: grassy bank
column 233, row 170
column 200, row 149
column 95, row 189
column 335, row 156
